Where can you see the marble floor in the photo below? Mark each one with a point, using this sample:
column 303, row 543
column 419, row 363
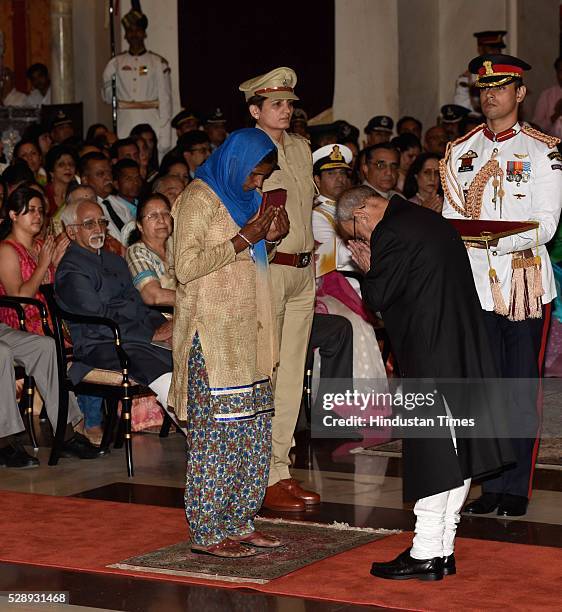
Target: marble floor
column 362, row 490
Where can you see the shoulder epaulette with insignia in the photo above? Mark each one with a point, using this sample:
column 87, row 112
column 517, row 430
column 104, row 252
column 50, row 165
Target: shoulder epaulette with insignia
column 549, row 141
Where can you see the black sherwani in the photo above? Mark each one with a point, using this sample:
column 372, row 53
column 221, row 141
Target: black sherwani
column 100, row 284
column 421, row 282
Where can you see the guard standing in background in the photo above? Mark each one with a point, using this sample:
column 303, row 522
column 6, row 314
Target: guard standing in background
column 144, row 90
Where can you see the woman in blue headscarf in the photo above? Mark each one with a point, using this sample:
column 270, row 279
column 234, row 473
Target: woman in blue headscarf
column 224, row 343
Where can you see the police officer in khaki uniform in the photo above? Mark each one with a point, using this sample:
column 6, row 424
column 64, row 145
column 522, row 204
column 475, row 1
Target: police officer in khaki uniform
column 270, row 101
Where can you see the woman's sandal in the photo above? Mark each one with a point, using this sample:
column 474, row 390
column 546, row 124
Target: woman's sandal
column 259, row 540
column 228, row 549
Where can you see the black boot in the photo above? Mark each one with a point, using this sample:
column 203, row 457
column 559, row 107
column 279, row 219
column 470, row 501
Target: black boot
column 404, row 567
column 512, row 505
column 15, row 456
column 449, row 566
column 485, row 504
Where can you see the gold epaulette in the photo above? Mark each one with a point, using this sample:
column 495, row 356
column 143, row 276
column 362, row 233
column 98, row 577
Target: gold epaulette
column 549, row 141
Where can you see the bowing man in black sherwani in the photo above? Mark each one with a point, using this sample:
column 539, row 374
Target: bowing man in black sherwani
column 418, row 277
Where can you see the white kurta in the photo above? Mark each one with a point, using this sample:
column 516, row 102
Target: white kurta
column 144, row 94
column 537, row 198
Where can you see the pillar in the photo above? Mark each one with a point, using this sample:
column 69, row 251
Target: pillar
column 366, row 73
column 62, row 56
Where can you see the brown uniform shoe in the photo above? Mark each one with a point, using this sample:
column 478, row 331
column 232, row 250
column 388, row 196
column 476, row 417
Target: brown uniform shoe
column 277, row 497
column 310, row 498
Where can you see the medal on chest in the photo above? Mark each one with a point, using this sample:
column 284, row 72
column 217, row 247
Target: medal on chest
column 518, row 171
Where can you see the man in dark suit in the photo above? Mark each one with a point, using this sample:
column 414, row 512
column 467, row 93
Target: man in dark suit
column 92, row 281
column 418, row 277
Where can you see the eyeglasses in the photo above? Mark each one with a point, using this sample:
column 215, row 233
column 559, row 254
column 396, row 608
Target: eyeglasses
column 163, row 215
column 379, row 164
column 91, row 224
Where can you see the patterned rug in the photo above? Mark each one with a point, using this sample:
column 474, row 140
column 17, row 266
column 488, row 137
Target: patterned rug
column 304, row 543
column 550, row 451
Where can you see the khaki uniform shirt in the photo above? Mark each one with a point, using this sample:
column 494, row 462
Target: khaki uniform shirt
column 295, row 175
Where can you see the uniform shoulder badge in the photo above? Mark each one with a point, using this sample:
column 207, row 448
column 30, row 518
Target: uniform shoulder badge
column 550, row 141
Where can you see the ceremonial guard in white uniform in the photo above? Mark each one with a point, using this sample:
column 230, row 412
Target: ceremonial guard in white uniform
column 143, row 85
column 505, row 170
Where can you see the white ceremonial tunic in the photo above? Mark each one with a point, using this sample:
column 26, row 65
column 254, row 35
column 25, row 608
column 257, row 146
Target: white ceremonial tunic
column 36, row 98
column 537, row 196
column 121, row 210
column 331, row 248
column 144, row 94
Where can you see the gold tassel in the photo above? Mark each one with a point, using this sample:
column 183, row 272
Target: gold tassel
column 495, row 285
column 539, row 289
column 526, row 283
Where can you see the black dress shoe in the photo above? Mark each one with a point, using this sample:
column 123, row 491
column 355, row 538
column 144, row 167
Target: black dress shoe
column 485, row 504
column 449, row 566
column 15, row 456
column 405, row 567
column 512, row 505
column 79, row 446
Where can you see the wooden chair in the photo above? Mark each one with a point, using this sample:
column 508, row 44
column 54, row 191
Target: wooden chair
column 113, row 386
column 26, row 401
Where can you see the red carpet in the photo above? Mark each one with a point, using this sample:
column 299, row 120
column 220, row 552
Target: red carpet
column 87, row 535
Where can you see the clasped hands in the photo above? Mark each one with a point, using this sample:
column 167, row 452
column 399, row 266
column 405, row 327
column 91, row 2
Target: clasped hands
column 361, row 254
column 272, row 225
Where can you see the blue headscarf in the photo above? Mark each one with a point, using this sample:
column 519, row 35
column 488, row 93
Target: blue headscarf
column 230, row 165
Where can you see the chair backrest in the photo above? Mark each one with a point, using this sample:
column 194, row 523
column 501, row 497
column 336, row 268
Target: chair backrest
column 48, row 292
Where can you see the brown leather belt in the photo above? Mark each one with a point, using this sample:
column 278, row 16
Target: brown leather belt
column 296, row 260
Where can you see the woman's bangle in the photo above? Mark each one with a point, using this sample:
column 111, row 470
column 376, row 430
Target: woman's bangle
column 275, row 242
column 245, row 239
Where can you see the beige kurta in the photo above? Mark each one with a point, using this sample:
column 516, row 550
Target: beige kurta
column 217, row 297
